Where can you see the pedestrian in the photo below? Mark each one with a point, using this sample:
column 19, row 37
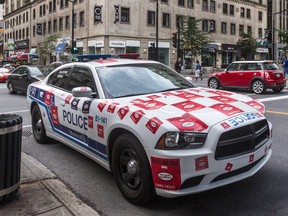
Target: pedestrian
column 285, row 66
column 178, row 65
column 198, row 70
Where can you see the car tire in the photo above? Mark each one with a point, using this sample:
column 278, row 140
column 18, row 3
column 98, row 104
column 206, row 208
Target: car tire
column 278, row 89
column 11, row 88
column 213, row 83
column 131, row 170
column 258, row 87
column 38, row 128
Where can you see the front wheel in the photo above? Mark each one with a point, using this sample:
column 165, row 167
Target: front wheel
column 131, row 170
column 38, row 128
column 278, row 89
column 258, row 87
column 213, row 83
column 11, row 88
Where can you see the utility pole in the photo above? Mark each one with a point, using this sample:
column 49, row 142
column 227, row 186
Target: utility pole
column 157, row 30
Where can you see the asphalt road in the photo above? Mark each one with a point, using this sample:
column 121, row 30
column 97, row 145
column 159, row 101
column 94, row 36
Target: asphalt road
column 266, row 193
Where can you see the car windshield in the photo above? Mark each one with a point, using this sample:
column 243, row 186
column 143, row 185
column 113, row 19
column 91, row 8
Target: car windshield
column 270, row 66
column 130, row 80
column 34, row 71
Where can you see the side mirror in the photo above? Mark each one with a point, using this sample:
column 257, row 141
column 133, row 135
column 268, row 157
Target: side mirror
column 82, row 91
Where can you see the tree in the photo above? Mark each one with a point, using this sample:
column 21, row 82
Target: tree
column 247, row 45
column 48, row 46
column 193, row 39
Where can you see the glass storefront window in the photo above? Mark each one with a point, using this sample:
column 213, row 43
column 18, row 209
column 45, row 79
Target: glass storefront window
column 208, row 59
column 227, row 57
column 132, row 49
column 91, row 50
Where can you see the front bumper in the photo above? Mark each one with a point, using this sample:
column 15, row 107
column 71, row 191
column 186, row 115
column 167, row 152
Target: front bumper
column 184, row 172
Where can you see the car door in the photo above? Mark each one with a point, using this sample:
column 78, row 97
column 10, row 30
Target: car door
column 230, row 77
column 251, row 70
column 16, row 78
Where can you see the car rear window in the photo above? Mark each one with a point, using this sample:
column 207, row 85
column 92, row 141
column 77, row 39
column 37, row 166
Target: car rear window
column 270, row 66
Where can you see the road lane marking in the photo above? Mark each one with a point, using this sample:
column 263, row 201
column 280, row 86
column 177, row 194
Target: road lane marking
column 26, row 126
column 275, row 112
column 12, row 112
column 272, row 98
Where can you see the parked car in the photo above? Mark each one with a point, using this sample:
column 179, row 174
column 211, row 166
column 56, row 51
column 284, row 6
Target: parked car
column 157, row 132
column 21, row 77
column 4, row 72
column 255, row 75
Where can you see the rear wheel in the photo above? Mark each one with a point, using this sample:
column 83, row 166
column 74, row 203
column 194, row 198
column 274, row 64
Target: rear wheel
column 278, row 89
column 38, row 128
column 11, row 88
column 258, row 87
column 131, row 170
column 213, row 83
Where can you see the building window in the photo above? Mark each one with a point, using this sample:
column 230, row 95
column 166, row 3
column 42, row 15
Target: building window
column 19, row 33
column 66, row 3
column 44, row 10
column 166, row 20
column 205, row 25
column 44, row 28
column 125, row 15
column 55, row 25
column 75, row 20
column 223, row 27
column 190, row 3
column 54, row 5
column 205, row 5
column 61, row 4
column 248, row 14
column 23, row 18
column 27, row 20
column 19, row 19
column 232, row 29
column 241, row 29
column 40, row 11
column 27, row 32
column 231, row 10
column 212, row 6
column 225, row 9
column 151, row 18
column 23, row 33
column 181, row 3
column 260, row 16
column 81, row 18
column 249, row 29
column 50, row 7
column 260, row 1
column 242, row 12
column 67, row 23
column 34, row 31
column 164, row 1
column 49, row 27
column 61, row 24
column 260, row 32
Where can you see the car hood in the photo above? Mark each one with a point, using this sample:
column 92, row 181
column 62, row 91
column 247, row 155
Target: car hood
column 195, row 109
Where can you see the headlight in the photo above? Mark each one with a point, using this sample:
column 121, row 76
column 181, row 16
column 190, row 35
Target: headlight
column 181, row 140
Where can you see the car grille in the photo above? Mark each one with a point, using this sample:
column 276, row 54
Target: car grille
column 242, row 140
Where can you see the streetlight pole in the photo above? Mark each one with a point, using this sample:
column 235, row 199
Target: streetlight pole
column 273, row 32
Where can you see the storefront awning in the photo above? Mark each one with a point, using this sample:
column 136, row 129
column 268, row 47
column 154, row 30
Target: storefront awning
column 210, row 47
column 60, row 47
column 229, row 48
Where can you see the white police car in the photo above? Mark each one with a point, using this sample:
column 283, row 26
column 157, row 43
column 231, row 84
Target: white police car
column 156, row 131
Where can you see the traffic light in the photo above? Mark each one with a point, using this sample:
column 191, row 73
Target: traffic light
column 74, row 48
column 174, row 39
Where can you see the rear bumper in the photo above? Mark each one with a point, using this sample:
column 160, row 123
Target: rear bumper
column 275, row 84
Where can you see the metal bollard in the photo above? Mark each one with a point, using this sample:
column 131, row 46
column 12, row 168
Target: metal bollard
column 10, row 155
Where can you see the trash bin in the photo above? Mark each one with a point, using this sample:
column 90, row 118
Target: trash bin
column 10, row 155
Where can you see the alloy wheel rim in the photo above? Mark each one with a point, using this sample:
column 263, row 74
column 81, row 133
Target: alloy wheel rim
column 258, row 87
column 213, row 84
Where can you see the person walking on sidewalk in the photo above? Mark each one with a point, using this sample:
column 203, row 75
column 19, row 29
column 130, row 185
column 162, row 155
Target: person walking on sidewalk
column 198, row 70
column 285, row 66
column 178, row 65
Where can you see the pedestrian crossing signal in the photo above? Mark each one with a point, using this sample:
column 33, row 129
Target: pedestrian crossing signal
column 174, row 39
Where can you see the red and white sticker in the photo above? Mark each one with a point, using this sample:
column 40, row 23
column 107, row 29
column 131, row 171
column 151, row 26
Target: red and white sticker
column 90, row 121
column 153, row 96
column 188, row 106
column 149, row 105
column 48, row 97
column 122, row 112
column 223, row 99
column 228, row 167
column 154, row 124
column 226, row 109
column 251, row 158
column 67, row 99
column 111, row 108
column 188, row 95
column 256, row 106
column 225, row 125
column 188, row 122
column 136, row 116
column 100, row 131
column 54, row 114
column 219, row 92
column 166, row 173
column 201, row 163
column 101, row 106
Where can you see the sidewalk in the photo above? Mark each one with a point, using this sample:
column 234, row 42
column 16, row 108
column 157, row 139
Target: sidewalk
column 41, row 193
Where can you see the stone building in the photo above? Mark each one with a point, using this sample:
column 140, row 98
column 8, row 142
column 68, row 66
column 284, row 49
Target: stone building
column 129, row 26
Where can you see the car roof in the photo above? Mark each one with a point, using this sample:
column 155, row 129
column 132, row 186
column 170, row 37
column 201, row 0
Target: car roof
column 253, row 61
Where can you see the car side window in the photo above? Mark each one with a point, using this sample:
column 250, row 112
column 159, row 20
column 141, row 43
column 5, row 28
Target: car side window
column 233, row 67
column 81, row 77
column 19, row 71
column 59, row 78
column 253, row 66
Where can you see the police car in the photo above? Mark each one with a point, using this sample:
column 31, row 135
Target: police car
column 153, row 129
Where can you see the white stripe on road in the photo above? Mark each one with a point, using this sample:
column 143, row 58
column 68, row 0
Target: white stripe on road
column 273, row 98
column 26, row 126
column 12, row 112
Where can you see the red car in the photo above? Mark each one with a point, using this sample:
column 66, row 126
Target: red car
column 255, row 75
column 4, row 72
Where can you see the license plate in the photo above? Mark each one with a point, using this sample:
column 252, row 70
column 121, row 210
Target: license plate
column 277, row 75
